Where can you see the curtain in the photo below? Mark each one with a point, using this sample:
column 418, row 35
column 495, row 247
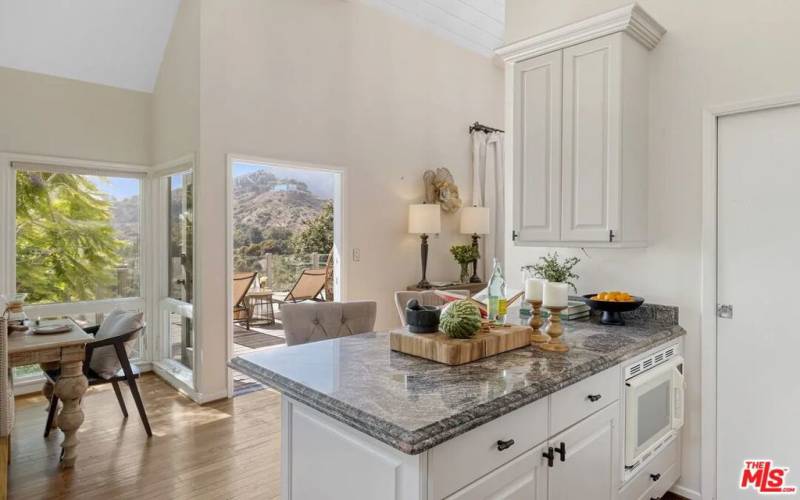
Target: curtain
column 488, row 191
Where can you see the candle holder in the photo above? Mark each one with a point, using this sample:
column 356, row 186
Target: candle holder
column 554, row 329
column 536, row 322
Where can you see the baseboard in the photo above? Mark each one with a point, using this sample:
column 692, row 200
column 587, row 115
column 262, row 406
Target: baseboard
column 685, row 492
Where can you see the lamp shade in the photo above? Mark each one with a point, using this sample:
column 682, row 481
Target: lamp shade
column 475, row 220
column 424, row 219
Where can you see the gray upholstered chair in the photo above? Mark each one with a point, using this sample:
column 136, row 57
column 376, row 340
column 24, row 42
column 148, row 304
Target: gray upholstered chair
column 312, row 322
column 425, row 298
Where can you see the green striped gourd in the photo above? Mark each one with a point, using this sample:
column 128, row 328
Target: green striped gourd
column 461, row 319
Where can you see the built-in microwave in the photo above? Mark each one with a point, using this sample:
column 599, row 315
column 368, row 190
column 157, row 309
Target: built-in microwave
column 654, row 404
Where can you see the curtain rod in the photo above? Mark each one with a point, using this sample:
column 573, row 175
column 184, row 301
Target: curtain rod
column 483, row 128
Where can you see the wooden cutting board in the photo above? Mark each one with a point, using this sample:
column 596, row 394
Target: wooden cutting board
column 442, row 349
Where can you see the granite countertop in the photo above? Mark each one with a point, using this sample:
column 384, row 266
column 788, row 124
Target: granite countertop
column 413, row 404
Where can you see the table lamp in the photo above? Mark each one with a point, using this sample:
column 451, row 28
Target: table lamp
column 475, row 221
column 424, row 219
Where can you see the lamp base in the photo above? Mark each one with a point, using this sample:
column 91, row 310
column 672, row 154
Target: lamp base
column 424, row 284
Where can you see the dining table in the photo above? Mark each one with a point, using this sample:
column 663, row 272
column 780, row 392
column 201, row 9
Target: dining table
column 54, row 350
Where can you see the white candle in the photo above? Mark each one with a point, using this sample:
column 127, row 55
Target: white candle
column 555, row 294
column 533, row 289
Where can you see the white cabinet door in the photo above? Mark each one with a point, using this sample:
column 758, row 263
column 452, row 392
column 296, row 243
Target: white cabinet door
column 524, row 478
column 537, row 148
column 591, row 459
column 591, row 140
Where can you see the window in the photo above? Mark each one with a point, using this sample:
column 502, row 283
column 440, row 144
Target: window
column 77, row 236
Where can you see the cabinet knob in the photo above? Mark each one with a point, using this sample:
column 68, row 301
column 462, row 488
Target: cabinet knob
column 549, row 456
column 655, row 477
column 502, row 445
column 594, row 397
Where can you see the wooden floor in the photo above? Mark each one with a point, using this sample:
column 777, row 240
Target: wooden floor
column 224, row 450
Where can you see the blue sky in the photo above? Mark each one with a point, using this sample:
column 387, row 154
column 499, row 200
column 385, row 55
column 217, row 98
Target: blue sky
column 117, row 187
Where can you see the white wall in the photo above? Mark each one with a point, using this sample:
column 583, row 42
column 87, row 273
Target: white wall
column 345, row 85
column 48, row 115
column 176, row 97
column 714, row 52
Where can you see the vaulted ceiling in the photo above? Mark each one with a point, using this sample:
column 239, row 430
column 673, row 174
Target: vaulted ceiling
column 478, row 25
column 121, row 42
column 112, row 42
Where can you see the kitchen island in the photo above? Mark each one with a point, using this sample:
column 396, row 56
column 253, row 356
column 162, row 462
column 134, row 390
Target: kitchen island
column 361, row 421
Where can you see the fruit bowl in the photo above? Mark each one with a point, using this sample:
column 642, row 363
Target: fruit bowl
column 611, row 310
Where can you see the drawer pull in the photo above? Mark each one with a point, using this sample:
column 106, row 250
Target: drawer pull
column 502, row 445
column 562, row 450
column 549, row 456
column 594, row 397
column 655, row 477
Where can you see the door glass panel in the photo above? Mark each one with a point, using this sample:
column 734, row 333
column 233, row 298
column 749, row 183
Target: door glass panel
column 179, row 238
column 654, row 412
column 181, row 339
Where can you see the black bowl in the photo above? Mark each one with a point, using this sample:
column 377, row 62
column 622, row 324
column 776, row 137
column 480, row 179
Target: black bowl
column 422, row 319
column 611, row 310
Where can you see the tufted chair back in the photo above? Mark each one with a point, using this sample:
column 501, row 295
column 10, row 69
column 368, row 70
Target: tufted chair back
column 425, row 298
column 312, row 322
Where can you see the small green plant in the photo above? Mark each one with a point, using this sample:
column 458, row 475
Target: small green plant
column 464, row 254
column 552, row 268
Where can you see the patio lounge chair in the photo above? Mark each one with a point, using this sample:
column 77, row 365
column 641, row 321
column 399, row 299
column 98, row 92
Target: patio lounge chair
column 308, row 286
column 241, row 285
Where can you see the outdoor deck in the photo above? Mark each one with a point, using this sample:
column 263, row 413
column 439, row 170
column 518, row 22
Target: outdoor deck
column 244, row 341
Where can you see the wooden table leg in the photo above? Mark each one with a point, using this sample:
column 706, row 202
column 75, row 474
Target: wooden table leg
column 48, row 388
column 70, row 387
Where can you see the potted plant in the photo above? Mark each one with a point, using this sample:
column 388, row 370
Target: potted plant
column 465, row 255
column 551, row 268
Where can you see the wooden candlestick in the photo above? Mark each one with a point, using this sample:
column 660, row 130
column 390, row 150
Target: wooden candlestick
column 536, row 322
column 555, row 330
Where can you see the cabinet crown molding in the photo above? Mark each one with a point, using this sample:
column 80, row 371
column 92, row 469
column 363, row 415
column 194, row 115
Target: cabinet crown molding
column 630, row 19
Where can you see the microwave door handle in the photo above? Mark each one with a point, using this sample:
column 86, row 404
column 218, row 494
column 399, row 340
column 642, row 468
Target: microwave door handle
column 678, row 394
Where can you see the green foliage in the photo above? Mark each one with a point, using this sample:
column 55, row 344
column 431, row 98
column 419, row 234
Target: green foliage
column 551, row 268
column 464, row 254
column 317, row 237
column 460, row 319
column 67, row 249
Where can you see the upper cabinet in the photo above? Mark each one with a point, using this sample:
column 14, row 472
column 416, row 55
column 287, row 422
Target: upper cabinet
column 577, row 120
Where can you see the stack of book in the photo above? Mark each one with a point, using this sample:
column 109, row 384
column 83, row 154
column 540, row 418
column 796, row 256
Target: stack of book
column 575, row 310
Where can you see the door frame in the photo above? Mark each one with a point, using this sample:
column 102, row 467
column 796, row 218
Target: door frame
column 708, row 282
column 340, row 239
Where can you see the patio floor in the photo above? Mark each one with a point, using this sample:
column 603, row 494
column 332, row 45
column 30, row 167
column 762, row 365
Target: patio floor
column 257, row 338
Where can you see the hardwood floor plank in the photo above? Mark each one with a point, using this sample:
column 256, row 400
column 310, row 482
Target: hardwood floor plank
column 227, row 449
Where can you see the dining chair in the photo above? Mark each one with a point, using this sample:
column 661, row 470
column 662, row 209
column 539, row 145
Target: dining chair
column 315, row 321
column 115, row 368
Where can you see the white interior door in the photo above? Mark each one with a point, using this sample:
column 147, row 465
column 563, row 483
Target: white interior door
column 758, row 373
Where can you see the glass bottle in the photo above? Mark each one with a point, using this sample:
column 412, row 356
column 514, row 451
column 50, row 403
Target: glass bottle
column 497, row 302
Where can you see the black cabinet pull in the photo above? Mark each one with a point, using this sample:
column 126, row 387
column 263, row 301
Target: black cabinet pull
column 502, row 445
column 562, row 450
column 655, row 477
column 549, row 456
column 594, row 397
